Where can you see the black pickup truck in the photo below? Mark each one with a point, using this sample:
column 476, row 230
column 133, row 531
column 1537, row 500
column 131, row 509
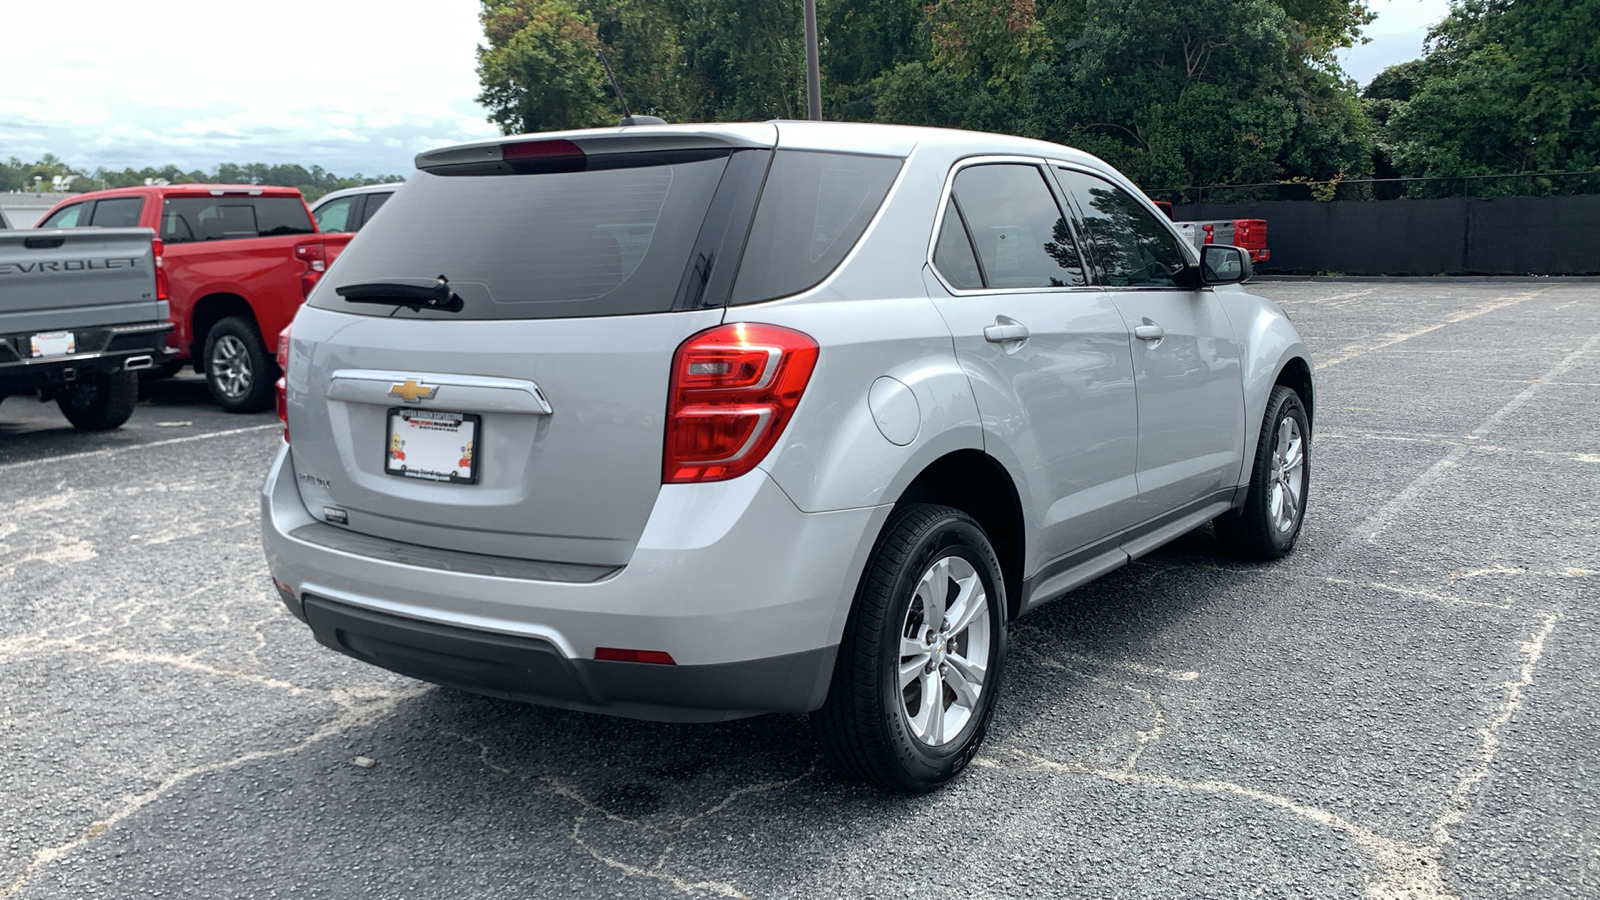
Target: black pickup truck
column 82, row 310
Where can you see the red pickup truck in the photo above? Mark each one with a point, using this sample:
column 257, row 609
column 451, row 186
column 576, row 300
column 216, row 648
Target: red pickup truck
column 237, row 262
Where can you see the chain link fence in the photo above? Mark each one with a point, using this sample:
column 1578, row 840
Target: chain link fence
column 1544, row 184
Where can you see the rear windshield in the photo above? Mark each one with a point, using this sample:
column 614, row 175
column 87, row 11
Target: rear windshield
column 605, row 242
column 227, row 218
column 813, row 209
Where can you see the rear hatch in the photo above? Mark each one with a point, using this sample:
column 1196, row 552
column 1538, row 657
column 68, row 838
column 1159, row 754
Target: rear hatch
column 76, row 278
column 522, row 416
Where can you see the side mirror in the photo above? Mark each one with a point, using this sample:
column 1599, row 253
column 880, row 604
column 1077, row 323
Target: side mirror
column 1224, row 264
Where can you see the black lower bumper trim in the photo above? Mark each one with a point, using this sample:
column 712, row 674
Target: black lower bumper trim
column 532, row 670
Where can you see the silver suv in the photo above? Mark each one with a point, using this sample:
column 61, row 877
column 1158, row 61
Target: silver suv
column 697, row 422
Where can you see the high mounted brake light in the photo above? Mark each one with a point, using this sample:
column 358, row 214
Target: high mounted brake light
column 550, row 155
column 734, row 389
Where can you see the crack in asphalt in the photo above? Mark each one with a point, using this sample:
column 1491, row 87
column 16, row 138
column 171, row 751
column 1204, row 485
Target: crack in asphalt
column 657, row 870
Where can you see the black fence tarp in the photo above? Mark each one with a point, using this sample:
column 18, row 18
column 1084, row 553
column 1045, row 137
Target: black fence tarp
column 1454, row 236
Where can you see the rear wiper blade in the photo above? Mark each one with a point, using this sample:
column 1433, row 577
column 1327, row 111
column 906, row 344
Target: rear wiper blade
column 415, row 297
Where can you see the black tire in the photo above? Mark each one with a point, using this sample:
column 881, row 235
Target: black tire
column 864, row 726
column 1257, row 531
column 239, row 370
column 100, row 402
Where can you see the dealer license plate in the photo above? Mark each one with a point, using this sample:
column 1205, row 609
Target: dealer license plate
column 432, row 445
column 54, row 343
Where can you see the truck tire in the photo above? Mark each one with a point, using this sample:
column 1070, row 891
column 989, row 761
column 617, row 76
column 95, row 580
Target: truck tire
column 100, row 402
column 238, row 368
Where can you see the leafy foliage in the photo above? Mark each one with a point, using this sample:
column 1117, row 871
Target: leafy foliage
column 1175, row 92
column 313, row 182
column 1505, row 86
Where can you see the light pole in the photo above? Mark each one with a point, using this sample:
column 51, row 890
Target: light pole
column 813, row 68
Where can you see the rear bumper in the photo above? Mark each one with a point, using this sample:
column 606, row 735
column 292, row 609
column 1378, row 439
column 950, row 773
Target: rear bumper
column 748, row 595
column 101, row 350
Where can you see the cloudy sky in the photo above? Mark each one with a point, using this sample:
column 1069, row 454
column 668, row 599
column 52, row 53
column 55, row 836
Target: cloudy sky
column 350, row 85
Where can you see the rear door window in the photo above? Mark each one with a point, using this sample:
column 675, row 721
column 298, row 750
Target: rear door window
column 608, row 241
column 953, row 255
column 66, row 217
column 375, row 201
column 229, row 217
column 813, row 210
column 1132, row 247
column 118, row 212
column 1023, row 240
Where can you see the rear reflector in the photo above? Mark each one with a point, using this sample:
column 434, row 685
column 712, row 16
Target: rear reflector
column 734, row 389
column 614, row 654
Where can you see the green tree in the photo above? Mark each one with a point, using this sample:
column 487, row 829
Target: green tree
column 539, row 70
column 1503, row 87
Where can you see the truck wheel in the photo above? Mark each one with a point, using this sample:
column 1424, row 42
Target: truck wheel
column 100, row 402
column 920, row 664
column 239, row 370
column 1275, row 507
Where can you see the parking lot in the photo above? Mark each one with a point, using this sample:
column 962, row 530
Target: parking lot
column 1405, row 707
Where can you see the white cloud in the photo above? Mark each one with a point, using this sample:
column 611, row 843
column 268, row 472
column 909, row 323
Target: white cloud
column 350, row 85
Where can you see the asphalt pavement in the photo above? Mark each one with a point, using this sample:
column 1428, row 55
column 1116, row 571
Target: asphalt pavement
column 1406, row 707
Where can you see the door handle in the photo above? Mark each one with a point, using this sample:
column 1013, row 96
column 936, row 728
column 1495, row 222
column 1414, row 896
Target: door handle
column 1149, row 331
column 1004, row 330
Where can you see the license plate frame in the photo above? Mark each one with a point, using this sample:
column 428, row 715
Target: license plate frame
column 426, row 459
column 47, row 344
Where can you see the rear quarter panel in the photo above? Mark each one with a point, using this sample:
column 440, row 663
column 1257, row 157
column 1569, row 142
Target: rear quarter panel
column 872, row 318
column 261, row 270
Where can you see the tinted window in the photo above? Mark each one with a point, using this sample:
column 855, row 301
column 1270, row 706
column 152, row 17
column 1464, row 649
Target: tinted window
column 122, row 212
column 1130, row 244
column 67, row 217
column 231, row 218
column 374, row 203
column 335, row 214
column 1022, row 239
column 953, row 254
column 813, row 209
column 612, row 241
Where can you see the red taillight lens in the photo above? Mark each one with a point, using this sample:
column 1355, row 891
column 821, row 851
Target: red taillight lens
column 1209, row 230
column 163, row 287
column 283, row 379
column 616, row 654
column 316, row 259
column 734, row 389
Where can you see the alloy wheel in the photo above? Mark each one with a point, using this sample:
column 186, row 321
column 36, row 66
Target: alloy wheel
column 944, row 651
column 1288, row 476
column 229, row 366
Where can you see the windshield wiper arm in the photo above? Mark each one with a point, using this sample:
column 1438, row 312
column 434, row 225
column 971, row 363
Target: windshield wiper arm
column 415, row 297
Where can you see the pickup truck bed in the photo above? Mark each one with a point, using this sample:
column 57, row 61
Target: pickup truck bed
column 80, row 314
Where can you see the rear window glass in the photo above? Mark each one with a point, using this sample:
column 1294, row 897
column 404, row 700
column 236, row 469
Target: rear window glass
column 813, row 209
column 226, row 218
column 122, row 212
column 607, row 242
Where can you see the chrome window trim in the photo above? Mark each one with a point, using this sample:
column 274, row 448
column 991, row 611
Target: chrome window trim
column 1039, row 163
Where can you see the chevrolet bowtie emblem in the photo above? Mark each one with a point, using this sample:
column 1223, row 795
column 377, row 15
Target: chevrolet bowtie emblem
column 411, row 390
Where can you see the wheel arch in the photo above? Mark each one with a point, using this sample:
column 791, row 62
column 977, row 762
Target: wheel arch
column 978, row 485
column 207, row 312
column 1295, row 374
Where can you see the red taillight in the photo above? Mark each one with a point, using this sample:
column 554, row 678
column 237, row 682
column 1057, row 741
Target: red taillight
column 316, row 259
column 283, row 382
column 163, row 288
column 1208, row 229
column 734, row 389
column 615, row 654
